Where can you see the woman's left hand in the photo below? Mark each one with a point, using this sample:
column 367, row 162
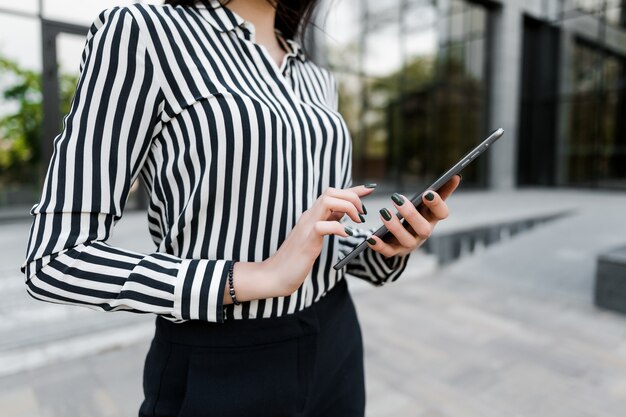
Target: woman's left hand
column 418, row 224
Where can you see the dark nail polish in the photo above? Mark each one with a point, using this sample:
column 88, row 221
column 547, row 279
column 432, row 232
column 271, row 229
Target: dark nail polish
column 362, row 218
column 385, row 213
column 429, row 196
column 371, row 241
column 363, row 207
column 349, row 231
column 371, row 185
column 397, row 199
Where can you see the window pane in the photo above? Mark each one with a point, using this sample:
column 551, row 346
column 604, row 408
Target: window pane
column 69, row 51
column 24, row 6
column 378, row 6
column 20, row 66
column 383, row 52
column 81, row 11
column 20, row 39
column 421, row 99
column 613, row 10
column 595, row 145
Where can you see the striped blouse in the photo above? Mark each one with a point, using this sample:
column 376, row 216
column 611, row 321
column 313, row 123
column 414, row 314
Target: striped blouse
column 231, row 148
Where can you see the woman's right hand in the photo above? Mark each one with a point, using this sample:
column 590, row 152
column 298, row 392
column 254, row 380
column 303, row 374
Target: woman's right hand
column 293, row 261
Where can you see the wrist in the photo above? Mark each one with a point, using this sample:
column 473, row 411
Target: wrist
column 252, row 281
column 275, row 283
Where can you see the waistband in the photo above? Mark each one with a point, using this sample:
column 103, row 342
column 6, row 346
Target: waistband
column 245, row 332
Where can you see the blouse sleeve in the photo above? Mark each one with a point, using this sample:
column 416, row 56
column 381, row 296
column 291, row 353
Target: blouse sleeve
column 369, row 265
column 106, row 136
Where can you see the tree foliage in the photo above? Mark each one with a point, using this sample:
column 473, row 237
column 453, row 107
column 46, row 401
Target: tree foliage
column 21, row 127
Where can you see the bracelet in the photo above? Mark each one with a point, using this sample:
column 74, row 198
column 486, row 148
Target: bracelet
column 231, row 288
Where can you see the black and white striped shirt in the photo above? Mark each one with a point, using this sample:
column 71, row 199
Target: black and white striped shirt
column 232, row 150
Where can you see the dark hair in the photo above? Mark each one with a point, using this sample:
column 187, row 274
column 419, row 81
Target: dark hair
column 293, row 17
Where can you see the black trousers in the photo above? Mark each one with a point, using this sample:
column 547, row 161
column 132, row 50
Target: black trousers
column 305, row 364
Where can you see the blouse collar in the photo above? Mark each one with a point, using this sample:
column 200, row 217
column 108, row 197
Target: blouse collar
column 224, row 20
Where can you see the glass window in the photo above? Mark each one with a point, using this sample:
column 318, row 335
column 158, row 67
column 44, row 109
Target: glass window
column 69, row 52
column 417, row 102
column 22, row 6
column 478, row 22
column 20, row 39
column 419, row 17
column 457, row 25
column 20, row 108
column 81, row 11
column 383, row 51
column 595, row 141
column 612, row 10
column 381, row 6
column 21, row 112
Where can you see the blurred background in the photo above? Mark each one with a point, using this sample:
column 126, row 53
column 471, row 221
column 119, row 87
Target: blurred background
column 424, row 80
column 515, row 306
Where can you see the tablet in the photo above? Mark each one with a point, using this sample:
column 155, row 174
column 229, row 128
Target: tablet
column 417, row 198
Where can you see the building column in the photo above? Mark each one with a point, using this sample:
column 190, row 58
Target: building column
column 505, row 61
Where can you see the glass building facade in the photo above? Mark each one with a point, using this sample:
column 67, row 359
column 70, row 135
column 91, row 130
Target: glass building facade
column 413, row 85
column 596, row 146
column 417, row 80
column 596, row 135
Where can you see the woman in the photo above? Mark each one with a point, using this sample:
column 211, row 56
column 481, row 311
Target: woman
column 236, row 135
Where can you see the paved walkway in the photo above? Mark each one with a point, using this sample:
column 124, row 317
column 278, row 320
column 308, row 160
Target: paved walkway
column 509, row 331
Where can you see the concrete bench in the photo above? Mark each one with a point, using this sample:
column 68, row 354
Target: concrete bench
column 610, row 285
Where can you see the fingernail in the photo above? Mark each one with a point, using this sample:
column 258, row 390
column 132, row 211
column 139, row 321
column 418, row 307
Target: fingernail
column 362, row 218
column 371, row 185
column 371, row 241
column 429, row 196
column 363, row 207
column 397, row 199
column 349, row 231
column 460, row 176
column 385, row 213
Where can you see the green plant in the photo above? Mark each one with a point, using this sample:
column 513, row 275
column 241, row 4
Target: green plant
column 21, row 129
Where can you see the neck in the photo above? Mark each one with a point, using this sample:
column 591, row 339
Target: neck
column 260, row 13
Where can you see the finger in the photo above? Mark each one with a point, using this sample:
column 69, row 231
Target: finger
column 444, row 192
column 448, row 188
column 436, row 206
column 327, row 227
column 404, row 237
column 381, row 246
column 351, row 194
column 422, row 227
column 336, row 215
column 364, row 189
column 334, row 204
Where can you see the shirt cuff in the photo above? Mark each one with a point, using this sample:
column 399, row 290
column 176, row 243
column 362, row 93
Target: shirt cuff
column 199, row 291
